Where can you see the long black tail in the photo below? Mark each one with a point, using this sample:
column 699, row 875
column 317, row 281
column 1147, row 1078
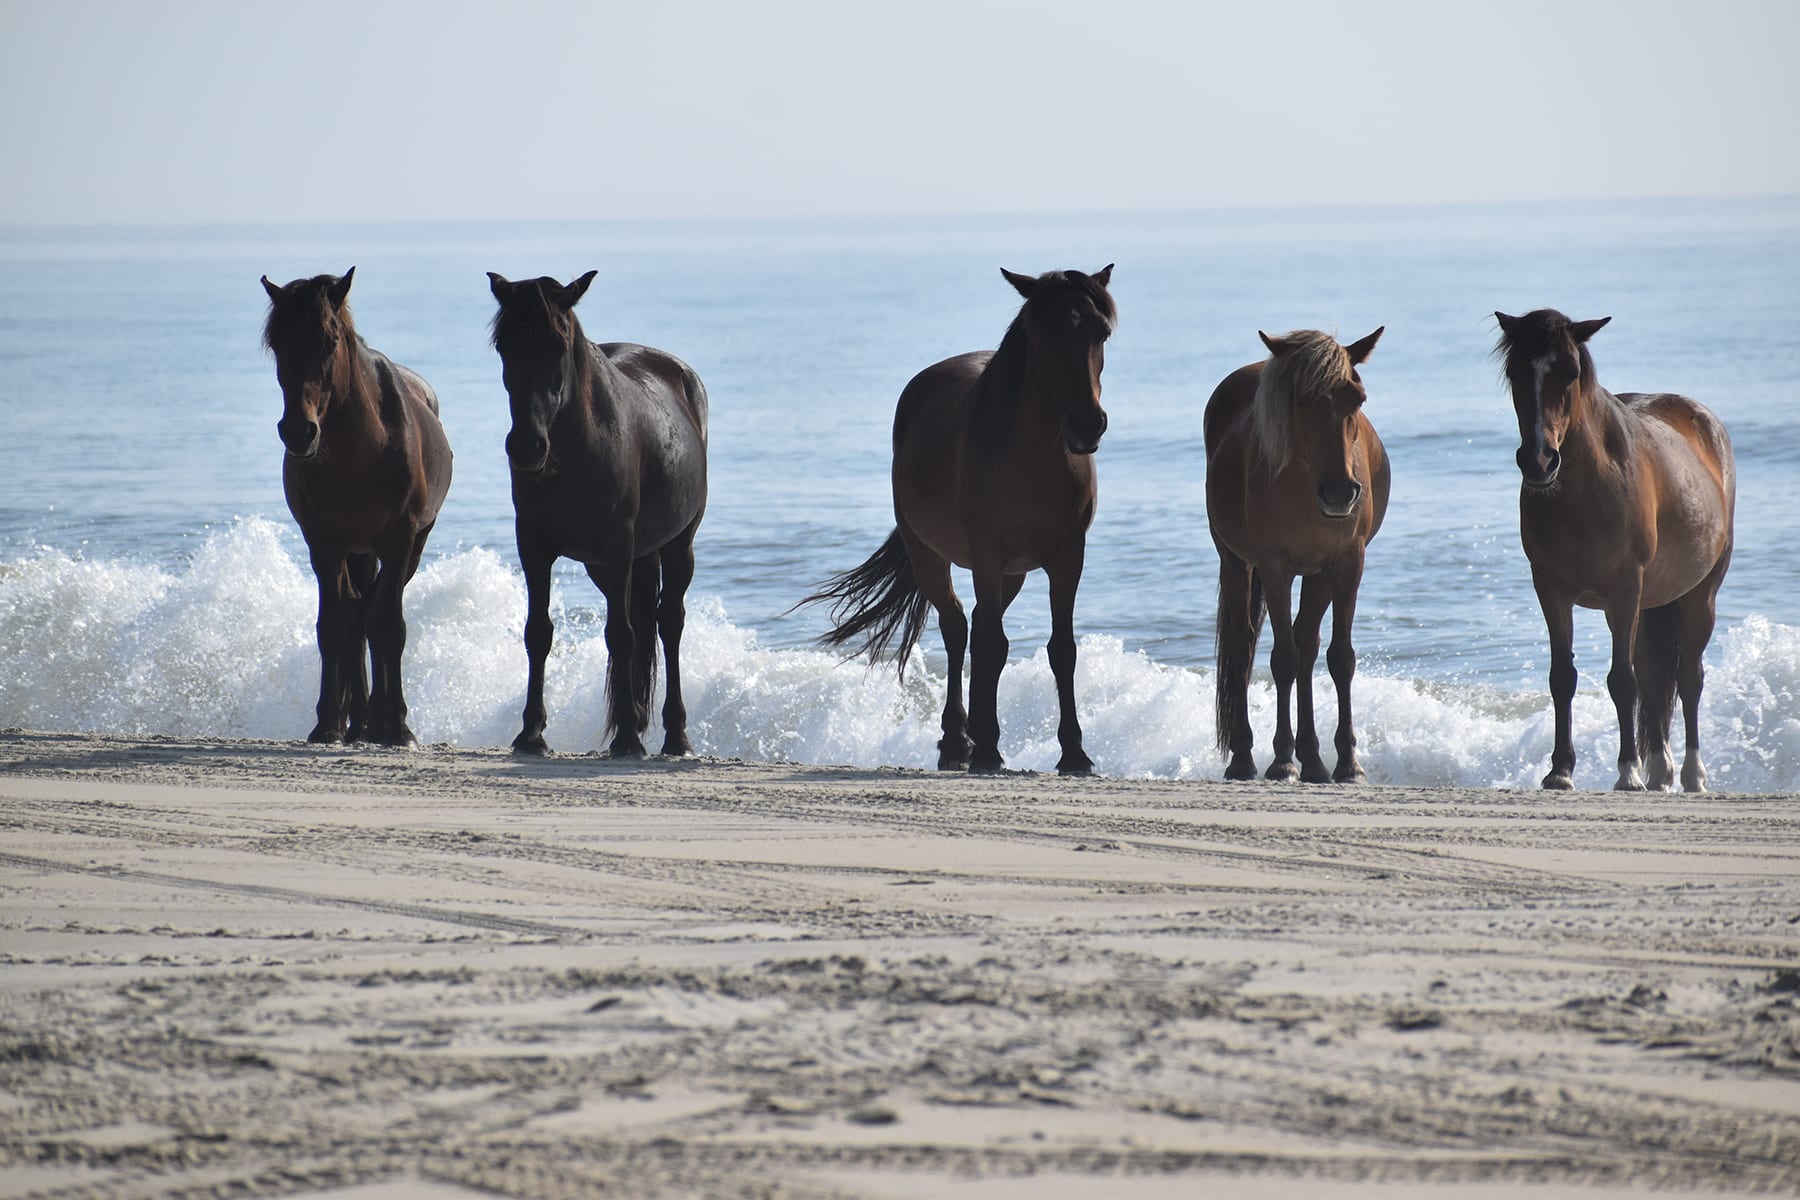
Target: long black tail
column 1242, row 608
column 1656, row 660
column 876, row 602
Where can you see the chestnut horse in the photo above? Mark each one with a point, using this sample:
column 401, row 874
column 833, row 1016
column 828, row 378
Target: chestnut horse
column 1626, row 505
column 993, row 471
column 366, row 469
column 608, row 458
column 1296, row 485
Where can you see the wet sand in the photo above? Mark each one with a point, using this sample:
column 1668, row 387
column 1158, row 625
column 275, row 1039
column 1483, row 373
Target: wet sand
column 235, row 968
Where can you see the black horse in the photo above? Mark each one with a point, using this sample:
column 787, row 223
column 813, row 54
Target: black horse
column 366, row 470
column 608, row 457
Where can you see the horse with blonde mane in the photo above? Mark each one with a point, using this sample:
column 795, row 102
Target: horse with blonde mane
column 1296, row 485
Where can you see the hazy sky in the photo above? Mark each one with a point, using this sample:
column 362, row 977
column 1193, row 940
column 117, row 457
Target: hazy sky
column 325, row 110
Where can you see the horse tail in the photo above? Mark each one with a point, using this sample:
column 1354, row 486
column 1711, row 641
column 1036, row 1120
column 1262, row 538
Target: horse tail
column 1656, row 661
column 878, row 602
column 1242, row 607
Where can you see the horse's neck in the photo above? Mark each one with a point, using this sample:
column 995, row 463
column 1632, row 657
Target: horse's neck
column 356, row 391
column 1595, row 427
column 1037, row 415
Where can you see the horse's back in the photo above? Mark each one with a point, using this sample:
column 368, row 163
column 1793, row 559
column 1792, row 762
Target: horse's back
column 1696, row 425
column 930, row 400
column 1229, row 403
column 664, row 378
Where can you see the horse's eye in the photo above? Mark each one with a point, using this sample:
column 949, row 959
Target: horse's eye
column 1075, row 317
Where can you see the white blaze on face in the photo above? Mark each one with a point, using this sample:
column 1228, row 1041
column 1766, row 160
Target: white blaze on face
column 1540, row 370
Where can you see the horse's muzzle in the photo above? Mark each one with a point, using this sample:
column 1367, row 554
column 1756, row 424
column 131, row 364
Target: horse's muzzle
column 300, row 437
column 1539, row 470
column 1339, row 500
column 527, row 454
column 1081, row 435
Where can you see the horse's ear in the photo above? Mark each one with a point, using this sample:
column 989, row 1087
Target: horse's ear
column 1359, row 351
column 1021, row 283
column 341, row 288
column 499, row 285
column 1581, row 331
column 1507, row 324
column 274, row 292
column 577, row 289
column 1277, row 346
column 1104, row 275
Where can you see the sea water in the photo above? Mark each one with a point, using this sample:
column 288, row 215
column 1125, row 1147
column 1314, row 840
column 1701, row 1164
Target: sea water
column 151, row 580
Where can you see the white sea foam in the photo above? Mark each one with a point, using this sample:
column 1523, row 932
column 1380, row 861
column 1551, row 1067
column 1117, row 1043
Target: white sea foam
column 224, row 647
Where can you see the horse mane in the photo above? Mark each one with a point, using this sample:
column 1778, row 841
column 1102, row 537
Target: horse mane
column 1311, row 364
column 302, row 313
column 519, row 320
column 1538, row 333
column 1001, row 382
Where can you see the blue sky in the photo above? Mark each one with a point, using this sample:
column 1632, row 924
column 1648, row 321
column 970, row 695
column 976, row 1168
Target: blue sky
column 325, row 111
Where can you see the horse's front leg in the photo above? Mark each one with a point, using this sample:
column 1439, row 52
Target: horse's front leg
column 332, row 630
column 1622, row 615
column 1314, row 596
column 354, row 670
column 539, row 630
column 1065, row 578
column 1278, row 592
column 1340, row 660
column 987, row 656
column 387, row 642
column 1559, row 621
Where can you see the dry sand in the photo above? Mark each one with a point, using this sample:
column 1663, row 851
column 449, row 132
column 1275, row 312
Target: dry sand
column 233, row 968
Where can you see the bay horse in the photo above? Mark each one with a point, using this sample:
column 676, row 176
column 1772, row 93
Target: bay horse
column 366, row 470
column 608, row 458
column 993, row 471
column 1296, row 485
column 1627, row 505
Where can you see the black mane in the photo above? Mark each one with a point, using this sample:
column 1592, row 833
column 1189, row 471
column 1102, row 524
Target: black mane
column 1001, row 381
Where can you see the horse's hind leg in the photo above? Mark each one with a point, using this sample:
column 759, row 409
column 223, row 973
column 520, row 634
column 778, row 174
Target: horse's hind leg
column 1698, row 612
column 362, row 721
column 1340, row 659
column 931, row 575
column 1654, row 658
column 671, row 618
column 646, row 578
column 1282, row 665
column 613, row 577
column 1314, row 597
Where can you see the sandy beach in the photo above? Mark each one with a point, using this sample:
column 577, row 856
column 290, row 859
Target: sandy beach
column 238, row 968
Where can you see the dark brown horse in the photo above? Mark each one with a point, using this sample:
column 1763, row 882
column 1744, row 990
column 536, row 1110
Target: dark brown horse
column 993, row 471
column 365, row 473
column 1296, row 485
column 1626, row 506
column 608, row 457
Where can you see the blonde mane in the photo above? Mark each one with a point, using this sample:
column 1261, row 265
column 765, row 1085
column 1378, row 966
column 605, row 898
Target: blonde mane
column 1311, row 364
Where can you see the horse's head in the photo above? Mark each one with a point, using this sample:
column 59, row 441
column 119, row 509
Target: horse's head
column 1547, row 365
column 309, row 331
column 1307, row 401
column 1067, row 317
column 540, row 344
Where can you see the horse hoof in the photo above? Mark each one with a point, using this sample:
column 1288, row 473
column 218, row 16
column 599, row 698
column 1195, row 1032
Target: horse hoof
column 1352, row 774
column 1281, row 772
column 953, row 762
column 1315, row 773
column 986, row 762
column 1076, row 764
column 1241, row 769
column 532, row 744
column 677, row 747
column 1559, row 781
column 624, row 749
column 322, row 736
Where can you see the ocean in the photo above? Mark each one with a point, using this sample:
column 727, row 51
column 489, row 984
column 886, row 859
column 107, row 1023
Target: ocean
column 152, row 582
